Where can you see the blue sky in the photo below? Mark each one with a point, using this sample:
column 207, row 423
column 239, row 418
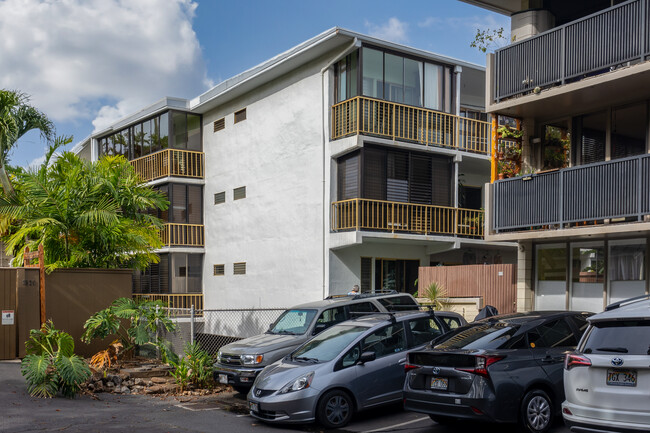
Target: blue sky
column 87, row 63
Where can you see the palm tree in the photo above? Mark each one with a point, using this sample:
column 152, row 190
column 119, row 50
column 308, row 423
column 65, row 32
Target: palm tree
column 85, row 214
column 17, row 118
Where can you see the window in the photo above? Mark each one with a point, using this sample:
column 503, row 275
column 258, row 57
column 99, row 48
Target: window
column 240, row 115
column 399, row 303
column 348, row 176
column 363, row 307
column 330, row 317
column 366, row 274
column 399, row 275
column 385, row 341
column 239, row 268
column 626, row 336
column 219, row 270
column 592, row 132
column 423, row 330
column 554, row 334
column 626, row 270
column 452, row 322
column 346, row 77
column 480, row 336
column 220, row 124
column 220, row 197
column 239, row 193
column 629, row 127
column 293, row 322
column 551, row 268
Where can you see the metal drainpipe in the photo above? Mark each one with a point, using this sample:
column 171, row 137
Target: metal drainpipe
column 353, row 46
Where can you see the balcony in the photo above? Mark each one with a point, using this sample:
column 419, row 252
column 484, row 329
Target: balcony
column 188, row 235
column 584, row 48
column 396, row 217
column 169, row 162
column 181, row 301
column 379, row 118
column 602, row 193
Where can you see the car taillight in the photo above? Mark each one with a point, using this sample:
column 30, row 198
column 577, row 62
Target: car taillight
column 408, row 367
column 574, row 360
column 482, row 363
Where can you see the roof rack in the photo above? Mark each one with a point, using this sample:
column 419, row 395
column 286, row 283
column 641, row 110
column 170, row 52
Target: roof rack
column 619, row 304
column 372, row 313
column 365, row 295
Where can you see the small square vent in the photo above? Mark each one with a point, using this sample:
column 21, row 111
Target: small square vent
column 219, row 124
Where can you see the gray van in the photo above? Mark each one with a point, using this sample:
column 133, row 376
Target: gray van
column 240, row 362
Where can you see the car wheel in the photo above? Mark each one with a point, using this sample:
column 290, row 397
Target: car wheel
column 335, row 409
column 241, row 389
column 536, row 411
column 442, row 420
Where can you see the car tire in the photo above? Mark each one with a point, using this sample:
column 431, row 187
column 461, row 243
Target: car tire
column 442, row 420
column 537, row 412
column 241, row 389
column 335, row 409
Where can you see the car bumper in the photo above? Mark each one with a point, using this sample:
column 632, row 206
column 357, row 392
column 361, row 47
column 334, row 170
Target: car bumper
column 601, row 420
column 455, row 406
column 292, row 407
column 236, row 376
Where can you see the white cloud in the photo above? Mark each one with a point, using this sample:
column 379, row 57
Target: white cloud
column 429, row 21
column 79, row 59
column 394, row 30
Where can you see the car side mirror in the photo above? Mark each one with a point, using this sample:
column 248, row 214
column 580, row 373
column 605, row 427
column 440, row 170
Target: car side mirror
column 320, row 327
column 367, row 357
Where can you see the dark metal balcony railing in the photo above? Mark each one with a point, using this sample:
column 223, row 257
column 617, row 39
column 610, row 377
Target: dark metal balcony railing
column 588, row 46
column 362, row 115
column 396, row 217
column 594, row 192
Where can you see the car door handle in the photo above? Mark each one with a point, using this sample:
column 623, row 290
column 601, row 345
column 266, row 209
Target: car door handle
column 402, row 361
column 552, row 359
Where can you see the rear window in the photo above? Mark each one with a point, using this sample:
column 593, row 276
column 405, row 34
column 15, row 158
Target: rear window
column 399, row 303
column 631, row 337
column 479, row 336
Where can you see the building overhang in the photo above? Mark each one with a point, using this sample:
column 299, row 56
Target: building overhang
column 605, row 231
column 621, row 86
column 433, row 244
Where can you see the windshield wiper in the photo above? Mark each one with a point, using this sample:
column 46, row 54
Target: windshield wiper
column 612, row 349
column 306, row 359
column 283, row 332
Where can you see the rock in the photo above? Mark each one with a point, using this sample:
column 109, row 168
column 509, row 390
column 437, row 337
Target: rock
column 138, row 381
column 161, row 380
column 158, row 389
column 149, row 383
column 128, row 383
column 125, row 390
column 110, row 385
column 99, row 387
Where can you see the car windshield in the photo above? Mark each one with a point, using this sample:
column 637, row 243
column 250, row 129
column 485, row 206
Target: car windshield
column 479, row 336
column 328, row 344
column 293, row 322
column 631, row 337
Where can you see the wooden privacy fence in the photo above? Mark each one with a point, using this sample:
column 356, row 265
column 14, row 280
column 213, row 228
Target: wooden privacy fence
column 495, row 284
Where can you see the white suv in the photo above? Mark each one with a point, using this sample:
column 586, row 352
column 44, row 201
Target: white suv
column 607, row 378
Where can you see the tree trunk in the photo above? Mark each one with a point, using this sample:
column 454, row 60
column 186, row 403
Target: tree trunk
column 6, row 183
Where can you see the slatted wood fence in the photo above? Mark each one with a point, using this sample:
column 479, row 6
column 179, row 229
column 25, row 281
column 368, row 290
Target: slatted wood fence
column 496, row 284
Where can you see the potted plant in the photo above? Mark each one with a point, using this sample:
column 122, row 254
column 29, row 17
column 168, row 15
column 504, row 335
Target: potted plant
column 505, row 131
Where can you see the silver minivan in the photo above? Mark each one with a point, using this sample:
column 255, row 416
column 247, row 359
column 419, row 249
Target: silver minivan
column 351, row 366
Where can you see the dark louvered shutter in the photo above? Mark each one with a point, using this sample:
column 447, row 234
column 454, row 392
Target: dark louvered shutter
column 593, row 146
column 374, row 174
column 154, row 272
column 164, row 273
column 441, row 172
column 397, row 181
column 348, row 177
column 420, row 183
column 179, row 203
column 195, row 204
column 366, row 274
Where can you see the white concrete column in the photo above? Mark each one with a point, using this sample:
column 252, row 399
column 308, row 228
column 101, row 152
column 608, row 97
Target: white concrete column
column 525, row 266
column 457, row 71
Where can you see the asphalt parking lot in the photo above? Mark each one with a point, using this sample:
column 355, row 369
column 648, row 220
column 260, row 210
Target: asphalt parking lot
column 122, row 413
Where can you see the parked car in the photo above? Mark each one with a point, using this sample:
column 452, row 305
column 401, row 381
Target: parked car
column 504, row 368
column 607, row 379
column 240, row 362
column 351, row 366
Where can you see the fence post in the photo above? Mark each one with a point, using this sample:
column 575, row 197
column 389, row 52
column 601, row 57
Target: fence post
column 157, row 333
column 192, row 324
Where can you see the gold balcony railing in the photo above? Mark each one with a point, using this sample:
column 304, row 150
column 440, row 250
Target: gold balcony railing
column 169, row 162
column 386, row 216
column 362, row 115
column 189, row 235
column 181, row 301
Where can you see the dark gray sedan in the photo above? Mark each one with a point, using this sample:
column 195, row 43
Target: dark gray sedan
column 502, row 369
column 354, row 365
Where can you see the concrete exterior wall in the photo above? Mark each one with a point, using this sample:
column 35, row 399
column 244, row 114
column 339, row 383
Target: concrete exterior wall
column 525, row 266
column 277, row 154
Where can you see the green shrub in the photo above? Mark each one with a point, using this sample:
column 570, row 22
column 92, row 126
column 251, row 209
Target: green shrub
column 51, row 365
column 194, row 368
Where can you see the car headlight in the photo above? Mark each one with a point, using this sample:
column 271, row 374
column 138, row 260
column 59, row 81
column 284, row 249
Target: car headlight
column 302, row 382
column 219, row 357
column 251, row 359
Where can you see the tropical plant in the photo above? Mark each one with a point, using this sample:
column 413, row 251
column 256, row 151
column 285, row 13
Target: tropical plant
column 145, row 319
column 435, row 293
column 51, row 365
column 194, row 368
column 507, row 132
column 17, row 118
column 85, row 214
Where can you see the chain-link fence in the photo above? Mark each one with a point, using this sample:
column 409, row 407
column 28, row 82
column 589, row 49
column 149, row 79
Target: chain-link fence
column 216, row 328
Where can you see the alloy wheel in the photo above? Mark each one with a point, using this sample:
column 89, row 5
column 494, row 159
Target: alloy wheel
column 538, row 413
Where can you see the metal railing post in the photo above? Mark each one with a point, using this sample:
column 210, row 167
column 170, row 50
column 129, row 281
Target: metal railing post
column 158, row 332
column 192, row 324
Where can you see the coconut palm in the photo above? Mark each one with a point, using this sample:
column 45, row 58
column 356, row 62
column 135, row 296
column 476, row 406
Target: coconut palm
column 85, row 214
column 17, row 118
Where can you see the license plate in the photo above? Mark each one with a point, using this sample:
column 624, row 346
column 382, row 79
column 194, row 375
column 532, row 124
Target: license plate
column 223, row 378
column 439, row 383
column 254, row 407
column 616, row 377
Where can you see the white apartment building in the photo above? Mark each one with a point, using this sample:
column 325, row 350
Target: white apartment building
column 344, row 160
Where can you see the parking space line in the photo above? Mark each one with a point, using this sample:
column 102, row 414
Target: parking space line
column 397, row 425
column 182, row 406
